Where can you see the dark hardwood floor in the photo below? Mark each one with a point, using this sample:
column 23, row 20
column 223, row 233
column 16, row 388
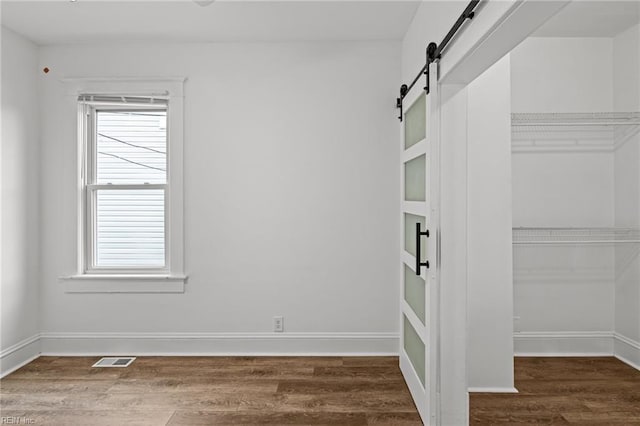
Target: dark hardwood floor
column 303, row 391
column 211, row 390
column 562, row 391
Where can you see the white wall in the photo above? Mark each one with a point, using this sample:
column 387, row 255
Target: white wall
column 19, row 233
column 562, row 75
column 563, row 294
column 490, row 274
column 569, row 189
column 291, row 189
column 626, row 71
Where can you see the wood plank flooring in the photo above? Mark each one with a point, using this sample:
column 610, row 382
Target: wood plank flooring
column 564, row 391
column 304, row 391
column 211, row 390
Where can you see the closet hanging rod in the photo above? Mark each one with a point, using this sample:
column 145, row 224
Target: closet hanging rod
column 435, row 52
column 575, row 242
column 580, row 236
column 575, row 123
column 629, row 118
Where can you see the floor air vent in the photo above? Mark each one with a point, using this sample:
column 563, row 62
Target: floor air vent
column 114, row 362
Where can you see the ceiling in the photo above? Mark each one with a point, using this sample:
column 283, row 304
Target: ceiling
column 89, row 21
column 584, row 18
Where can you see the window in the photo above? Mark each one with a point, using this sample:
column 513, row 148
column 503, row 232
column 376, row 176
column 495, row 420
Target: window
column 125, row 185
column 130, row 222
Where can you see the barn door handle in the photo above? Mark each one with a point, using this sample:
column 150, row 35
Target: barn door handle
column 419, row 263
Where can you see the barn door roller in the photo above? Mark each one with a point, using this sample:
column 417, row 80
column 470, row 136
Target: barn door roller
column 435, row 52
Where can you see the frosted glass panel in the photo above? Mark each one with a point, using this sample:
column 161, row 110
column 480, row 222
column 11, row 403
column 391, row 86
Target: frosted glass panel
column 415, row 122
column 414, row 292
column 410, row 221
column 414, row 347
column 414, row 179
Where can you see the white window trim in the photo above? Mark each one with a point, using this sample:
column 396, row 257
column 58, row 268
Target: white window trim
column 89, row 144
column 173, row 278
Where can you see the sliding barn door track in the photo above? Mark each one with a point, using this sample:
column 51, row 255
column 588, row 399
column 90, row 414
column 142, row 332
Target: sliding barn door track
column 435, row 52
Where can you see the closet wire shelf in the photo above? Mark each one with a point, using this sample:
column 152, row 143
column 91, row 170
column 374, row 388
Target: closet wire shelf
column 532, row 236
column 597, row 131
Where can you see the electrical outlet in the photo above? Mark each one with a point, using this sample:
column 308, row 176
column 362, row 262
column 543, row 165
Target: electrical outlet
column 278, row 324
column 516, row 324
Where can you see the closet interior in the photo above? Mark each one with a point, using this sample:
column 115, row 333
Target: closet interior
column 575, row 95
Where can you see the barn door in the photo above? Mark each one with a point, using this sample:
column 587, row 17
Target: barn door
column 419, row 253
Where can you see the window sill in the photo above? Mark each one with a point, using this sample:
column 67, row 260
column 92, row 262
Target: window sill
column 129, row 283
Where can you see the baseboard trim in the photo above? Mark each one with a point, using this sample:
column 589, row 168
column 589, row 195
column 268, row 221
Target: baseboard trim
column 579, row 343
column 15, row 367
column 220, row 344
column 628, row 362
column 19, row 355
column 627, row 350
column 493, row 390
